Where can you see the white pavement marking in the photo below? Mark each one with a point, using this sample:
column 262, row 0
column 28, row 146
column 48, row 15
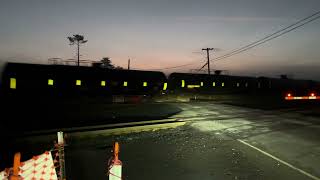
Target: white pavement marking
column 281, row 161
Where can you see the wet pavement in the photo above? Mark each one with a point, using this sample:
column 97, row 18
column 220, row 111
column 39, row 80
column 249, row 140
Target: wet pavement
column 218, row 141
column 209, row 147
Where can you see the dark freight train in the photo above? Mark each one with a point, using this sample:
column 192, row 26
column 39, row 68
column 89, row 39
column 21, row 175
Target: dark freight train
column 35, row 79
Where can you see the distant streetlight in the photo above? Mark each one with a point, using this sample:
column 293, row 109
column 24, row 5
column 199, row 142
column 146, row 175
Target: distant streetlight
column 77, row 39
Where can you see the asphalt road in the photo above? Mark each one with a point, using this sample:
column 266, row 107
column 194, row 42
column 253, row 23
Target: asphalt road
column 218, row 142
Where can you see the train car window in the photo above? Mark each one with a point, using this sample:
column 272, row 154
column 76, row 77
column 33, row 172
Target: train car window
column 103, row 83
column 50, row 82
column 182, row 83
column 191, row 86
column 145, row 84
column 201, row 84
column 246, row 84
column 214, row 84
column 222, row 84
column 165, row 86
column 259, row 85
column 125, row 83
column 13, row 83
column 238, row 84
column 78, row 82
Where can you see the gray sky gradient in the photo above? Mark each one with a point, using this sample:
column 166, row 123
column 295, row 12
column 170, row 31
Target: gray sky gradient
column 163, row 33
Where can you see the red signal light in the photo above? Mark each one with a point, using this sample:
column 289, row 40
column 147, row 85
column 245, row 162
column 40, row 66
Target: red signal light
column 289, row 95
column 312, row 94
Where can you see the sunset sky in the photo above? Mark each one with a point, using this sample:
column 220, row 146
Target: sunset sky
column 165, row 33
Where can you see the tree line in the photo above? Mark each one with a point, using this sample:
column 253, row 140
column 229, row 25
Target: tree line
column 105, row 62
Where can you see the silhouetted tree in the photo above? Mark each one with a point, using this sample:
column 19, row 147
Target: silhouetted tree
column 119, row 68
column 106, row 63
column 77, row 40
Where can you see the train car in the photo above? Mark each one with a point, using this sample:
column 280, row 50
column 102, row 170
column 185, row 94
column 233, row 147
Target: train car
column 210, row 84
column 36, row 79
column 59, row 80
column 283, row 86
column 225, row 84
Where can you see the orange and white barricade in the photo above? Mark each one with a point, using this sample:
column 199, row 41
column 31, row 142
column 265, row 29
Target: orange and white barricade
column 39, row 167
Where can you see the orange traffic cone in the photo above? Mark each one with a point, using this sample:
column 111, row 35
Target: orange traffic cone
column 115, row 167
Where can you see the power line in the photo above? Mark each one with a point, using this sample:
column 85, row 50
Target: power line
column 285, row 32
column 179, row 66
column 279, row 31
column 174, row 67
column 254, row 44
column 269, row 37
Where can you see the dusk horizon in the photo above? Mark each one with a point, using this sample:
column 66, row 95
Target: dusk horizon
column 159, row 35
column 160, row 89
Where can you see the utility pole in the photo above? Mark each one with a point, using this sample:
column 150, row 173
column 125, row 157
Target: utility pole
column 208, row 57
column 129, row 64
column 78, row 53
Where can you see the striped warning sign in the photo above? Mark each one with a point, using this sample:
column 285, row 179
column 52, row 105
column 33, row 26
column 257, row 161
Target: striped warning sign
column 40, row 167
